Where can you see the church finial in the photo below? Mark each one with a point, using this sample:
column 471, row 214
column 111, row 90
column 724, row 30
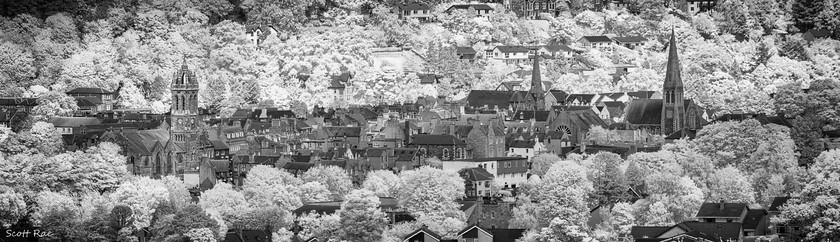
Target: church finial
column 672, row 73
column 184, row 61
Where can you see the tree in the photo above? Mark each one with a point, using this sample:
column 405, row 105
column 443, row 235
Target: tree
column 47, row 137
column 224, row 200
column 541, row 163
column 201, row 235
column 813, row 207
column 314, row 192
column 618, row 222
column 120, row 217
column 673, row 197
column 805, row 13
column 334, row 178
column 563, row 193
column 360, row 216
column 814, row 112
column 731, row 185
column 600, row 135
column 58, row 212
column 383, row 183
column 607, row 178
column 184, row 222
column 53, row 104
column 142, row 195
column 179, row 196
column 12, row 206
column 430, row 195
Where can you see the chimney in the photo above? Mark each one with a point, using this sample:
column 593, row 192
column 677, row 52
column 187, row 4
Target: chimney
column 407, row 133
column 721, row 205
column 452, row 128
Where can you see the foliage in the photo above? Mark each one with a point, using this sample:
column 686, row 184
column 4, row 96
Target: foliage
column 142, row 195
column 731, row 185
column 334, row 178
column 563, row 193
column 673, row 197
column 12, row 207
column 600, row 135
column 430, row 195
column 360, row 216
column 383, row 183
column 814, row 207
column 607, row 178
column 541, row 163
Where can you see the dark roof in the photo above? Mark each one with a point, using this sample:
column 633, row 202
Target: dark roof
column 818, row 33
column 683, row 133
column 300, row 166
column 642, row 232
column 511, row 48
column 753, row 218
column 713, row 231
column 630, row 39
column 467, row 6
column 375, row 152
column 88, row 90
column 580, row 97
column 641, row 94
column 480, row 98
column 527, row 115
column 777, row 202
column 475, row 174
column 338, row 131
column 761, row 118
column 88, row 101
column 506, row 235
column 428, row 78
column 714, row 210
column 74, row 121
column 559, row 95
column 522, row 144
column 471, row 231
column 644, row 111
column 432, row 139
column 339, row 81
column 465, row 51
column 599, row 38
column 422, row 230
column 247, row 235
column 413, row 6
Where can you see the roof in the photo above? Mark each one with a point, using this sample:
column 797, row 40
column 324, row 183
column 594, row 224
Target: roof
column 818, row 33
column 88, row 90
column 673, row 77
column 143, row 141
column 300, row 166
column 465, row 51
column 475, row 174
column 712, row 231
column 683, row 133
column 630, row 39
column 506, row 235
column 413, row 6
column 489, row 98
column 423, row 230
column 471, row 231
column 332, row 206
column 729, row 210
column 527, row 115
column 641, row 94
column 338, row 131
column 777, row 203
column 753, row 218
column 88, row 101
column 512, row 49
column 523, row 144
column 74, row 121
column 644, row 111
column 339, row 81
column 599, row 38
column 467, row 6
column 641, row 232
column 247, row 235
column 559, row 95
column 18, row 101
column 432, row 139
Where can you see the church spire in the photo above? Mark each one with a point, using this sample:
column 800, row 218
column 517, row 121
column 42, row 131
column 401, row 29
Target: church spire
column 672, row 73
column 536, row 78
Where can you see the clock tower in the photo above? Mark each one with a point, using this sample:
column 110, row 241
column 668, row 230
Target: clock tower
column 184, row 110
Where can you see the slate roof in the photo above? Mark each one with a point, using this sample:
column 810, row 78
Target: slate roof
column 753, row 218
column 585, row 98
column 465, row 51
column 599, row 38
column 641, row 232
column 143, row 141
column 522, row 144
column 506, row 235
column 413, row 6
column 540, row 116
column 713, row 231
column 338, row 131
column 777, row 203
column 467, row 6
column 729, row 210
column 299, row 166
column 431, row 139
column 74, row 121
column 88, row 90
column 480, row 98
column 339, row 81
column 512, row 49
column 88, row 101
column 559, row 95
column 630, row 39
column 247, row 235
column 475, row 174
column 518, row 165
column 644, row 111
column 422, row 230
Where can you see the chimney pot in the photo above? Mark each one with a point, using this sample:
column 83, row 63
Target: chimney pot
column 721, row 204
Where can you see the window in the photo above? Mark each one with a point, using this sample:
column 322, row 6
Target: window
column 507, row 164
column 669, row 114
column 445, row 153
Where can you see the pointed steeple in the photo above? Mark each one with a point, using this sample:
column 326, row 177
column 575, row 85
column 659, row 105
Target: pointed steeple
column 536, row 78
column 672, row 73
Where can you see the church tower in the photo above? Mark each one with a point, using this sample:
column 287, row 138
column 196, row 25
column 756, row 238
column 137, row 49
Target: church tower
column 673, row 101
column 535, row 100
column 184, row 111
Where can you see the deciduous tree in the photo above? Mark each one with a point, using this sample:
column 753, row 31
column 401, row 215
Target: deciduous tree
column 360, row 216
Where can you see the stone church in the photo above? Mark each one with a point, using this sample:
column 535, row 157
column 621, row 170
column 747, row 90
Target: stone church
column 177, row 151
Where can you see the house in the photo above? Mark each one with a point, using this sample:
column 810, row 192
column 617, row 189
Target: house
column 444, row 147
column 533, row 8
column 14, row 111
column 257, row 34
column 722, row 212
column 582, row 99
column 512, row 172
column 574, row 124
column 486, row 140
column 247, row 235
column 479, row 9
column 602, row 43
column 474, row 233
column 418, row 11
column 525, row 148
column 814, row 34
column 630, row 42
column 782, row 230
column 466, row 53
column 339, row 85
column 699, row 6
column 66, row 125
column 689, row 231
column 103, row 99
column 510, row 55
column 422, row 234
column 478, row 181
column 555, row 98
column 556, row 51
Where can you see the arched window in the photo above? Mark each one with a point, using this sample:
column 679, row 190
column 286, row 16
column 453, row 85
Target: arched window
column 423, row 152
column 445, row 154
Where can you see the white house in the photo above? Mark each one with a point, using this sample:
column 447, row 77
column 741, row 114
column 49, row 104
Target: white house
column 525, row 148
column 510, row 55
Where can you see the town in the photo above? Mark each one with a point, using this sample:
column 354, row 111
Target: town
column 516, row 120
